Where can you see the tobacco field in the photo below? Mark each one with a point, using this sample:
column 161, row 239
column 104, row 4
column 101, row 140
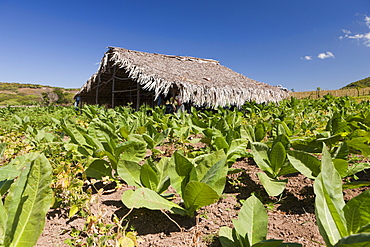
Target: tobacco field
column 119, row 177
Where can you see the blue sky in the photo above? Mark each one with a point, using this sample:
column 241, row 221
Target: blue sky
column 300, row 44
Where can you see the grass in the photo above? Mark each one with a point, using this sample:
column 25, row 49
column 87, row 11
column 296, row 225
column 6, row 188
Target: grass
column 19, row 99
column 17, row 94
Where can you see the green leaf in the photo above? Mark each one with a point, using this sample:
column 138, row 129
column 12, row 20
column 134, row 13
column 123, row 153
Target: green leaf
column 4, row 186
column 226, row 237
column 273, row 187
column 259, row 132
column 305, row 163
column 204, row 162
column 212, row 170
column 146, row 198
column 98, row 169
column 357, row 212
column 105, row 133
column 365, row 228
column 163, row 177
column 310, row 145
column 149, row 141
column 252, row 220
column 260, row 156
column 281, row 129
column 220, row 143
column 277, row 157
column 15, row 167
column 183, row 165
column 73, row 133
column 247, row 132
column 124, row 132
column 112, row 159
column 9, row 172
column 355, row 185
column 329, row 201
column 237, row 150
column 357, row 145
column 284, row 140
column 148, row 177
column 355, row 240
column 197, row 195
column 331, row 140
column 73, row 210
column 27, row 203
column 216, row 176
column 358, row 167
column 342, row 151
column 341, row 166
column 92, row 140
column 230, row 238
column 337, row 124
column 132, row 151
column 179, row 171
column 3, row 220
column 129, row 171
column 136, row 137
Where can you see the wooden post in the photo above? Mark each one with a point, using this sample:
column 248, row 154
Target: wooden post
column 97, row 91
column 138, row 97
column 152, row 100
column 113, row 86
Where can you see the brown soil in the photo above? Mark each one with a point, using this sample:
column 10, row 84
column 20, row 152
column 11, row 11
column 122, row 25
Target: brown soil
column 291, row 216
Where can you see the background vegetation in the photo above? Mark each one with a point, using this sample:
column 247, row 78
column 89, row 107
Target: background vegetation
column 361, row 84
column 76, row 150
column 16, row 94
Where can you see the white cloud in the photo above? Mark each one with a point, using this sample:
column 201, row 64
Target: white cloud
column 367, row 39
column 306, row 58
column 357, row 36
column 367, row 21
column 364, row 37
column 325, row 55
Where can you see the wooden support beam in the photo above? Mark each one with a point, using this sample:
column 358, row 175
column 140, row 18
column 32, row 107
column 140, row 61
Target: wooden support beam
column 113, row 86
column 122, row 78
column 97, row 91
column 125, row 91
column 138, row 97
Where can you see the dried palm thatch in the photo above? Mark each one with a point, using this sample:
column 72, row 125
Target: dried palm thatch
column 131, row 76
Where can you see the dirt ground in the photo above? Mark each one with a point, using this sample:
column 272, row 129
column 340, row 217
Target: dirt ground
column 291, row 216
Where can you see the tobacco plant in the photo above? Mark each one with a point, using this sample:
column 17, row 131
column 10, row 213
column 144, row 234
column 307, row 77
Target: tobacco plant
column 102, row 142
column 250, row 229
column 199, row 183
column 273, row 161
column 149, row 175
column 25, row 184
column 340, row 224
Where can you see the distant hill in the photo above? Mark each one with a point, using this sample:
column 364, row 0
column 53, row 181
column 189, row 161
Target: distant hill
column 34, row 94
column 358, row 84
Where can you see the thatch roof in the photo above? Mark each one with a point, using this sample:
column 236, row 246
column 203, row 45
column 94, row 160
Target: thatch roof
column 203, row 82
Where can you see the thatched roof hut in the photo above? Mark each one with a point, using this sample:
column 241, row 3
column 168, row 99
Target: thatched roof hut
column 127, row 76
